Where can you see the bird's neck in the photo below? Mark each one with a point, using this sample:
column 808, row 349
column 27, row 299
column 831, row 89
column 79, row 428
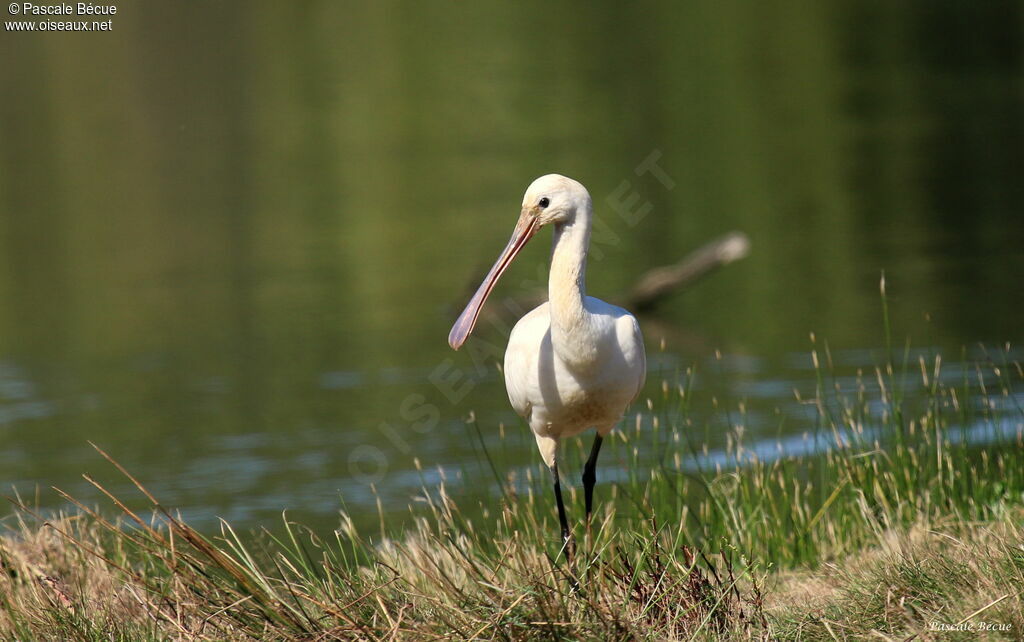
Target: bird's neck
column 567, row 288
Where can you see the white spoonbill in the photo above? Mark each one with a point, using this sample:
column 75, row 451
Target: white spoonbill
column 574, row 362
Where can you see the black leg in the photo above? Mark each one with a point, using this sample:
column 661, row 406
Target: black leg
column 590, row 476
column 561, row 511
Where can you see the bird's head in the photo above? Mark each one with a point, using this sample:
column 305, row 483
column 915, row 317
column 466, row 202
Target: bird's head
column 549, row 199
column 554, row 199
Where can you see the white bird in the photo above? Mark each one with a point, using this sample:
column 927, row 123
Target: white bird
column 574, row 362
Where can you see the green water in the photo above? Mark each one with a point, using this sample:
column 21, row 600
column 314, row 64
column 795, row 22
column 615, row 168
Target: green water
column 233, row 236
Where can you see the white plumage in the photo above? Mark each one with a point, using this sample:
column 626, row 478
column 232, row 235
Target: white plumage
column 560, row 398
column 574, row 362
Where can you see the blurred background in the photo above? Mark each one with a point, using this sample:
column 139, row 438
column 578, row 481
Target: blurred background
column 233, row 236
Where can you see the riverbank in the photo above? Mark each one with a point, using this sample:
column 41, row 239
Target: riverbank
column 73, row 579
column 906, row 518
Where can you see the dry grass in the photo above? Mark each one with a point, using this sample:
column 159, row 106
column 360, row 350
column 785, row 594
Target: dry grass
column 74, row 578
column 90, row 579
column 919, row 583
column 902, row 524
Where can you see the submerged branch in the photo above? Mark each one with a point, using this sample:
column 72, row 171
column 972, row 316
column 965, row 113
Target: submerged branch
column 654, row 285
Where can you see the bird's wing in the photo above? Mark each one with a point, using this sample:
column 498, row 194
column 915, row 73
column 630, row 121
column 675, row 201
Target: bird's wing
column 517, row 363
column 641, row 355
column 521, row 359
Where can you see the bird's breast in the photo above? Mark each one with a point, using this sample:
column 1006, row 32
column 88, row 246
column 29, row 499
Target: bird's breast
column 581, row 409
column 561, row 397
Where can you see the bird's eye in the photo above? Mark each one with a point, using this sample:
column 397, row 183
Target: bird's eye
column 544, row 202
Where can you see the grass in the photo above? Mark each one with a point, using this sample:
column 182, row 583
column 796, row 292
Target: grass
column 73, row 580
column 908, row 525
column 944, row 581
